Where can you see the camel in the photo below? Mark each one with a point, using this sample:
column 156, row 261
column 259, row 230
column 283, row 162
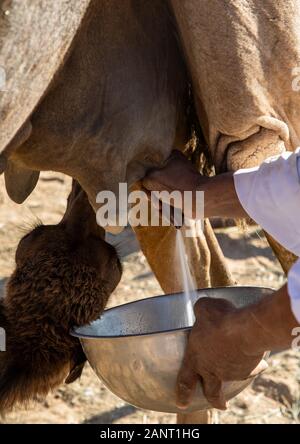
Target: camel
column 60, row 280
column 103, row 91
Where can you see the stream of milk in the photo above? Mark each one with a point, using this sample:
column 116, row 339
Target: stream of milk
column 188, row 282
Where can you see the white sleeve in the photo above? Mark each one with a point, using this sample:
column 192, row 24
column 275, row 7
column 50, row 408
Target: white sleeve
column 270, row 194
column 294, row 289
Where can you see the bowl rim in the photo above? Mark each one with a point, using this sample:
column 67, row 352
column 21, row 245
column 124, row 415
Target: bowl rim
column 183, row 329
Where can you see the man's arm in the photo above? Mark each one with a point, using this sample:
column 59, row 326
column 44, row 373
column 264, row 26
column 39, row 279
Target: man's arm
column 220, row 197
column 227, row 343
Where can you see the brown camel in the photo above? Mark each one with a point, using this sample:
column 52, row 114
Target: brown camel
column 60, row 280
column 102, row 95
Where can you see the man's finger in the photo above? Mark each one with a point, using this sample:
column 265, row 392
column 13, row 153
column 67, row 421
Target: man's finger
column 212, row 388
column 186, row 384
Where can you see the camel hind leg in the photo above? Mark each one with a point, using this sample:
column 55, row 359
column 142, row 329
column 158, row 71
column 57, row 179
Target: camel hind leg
column 205, row 257
column 207, row 265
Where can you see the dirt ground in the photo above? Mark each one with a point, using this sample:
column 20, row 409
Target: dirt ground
column 272, row 398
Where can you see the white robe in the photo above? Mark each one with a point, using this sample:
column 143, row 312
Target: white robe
column 270, row 194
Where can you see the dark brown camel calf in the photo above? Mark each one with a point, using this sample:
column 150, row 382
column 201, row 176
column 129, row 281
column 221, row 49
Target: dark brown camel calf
column 60, row 280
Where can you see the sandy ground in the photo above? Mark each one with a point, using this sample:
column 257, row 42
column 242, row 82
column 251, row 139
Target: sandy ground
column 272, row 398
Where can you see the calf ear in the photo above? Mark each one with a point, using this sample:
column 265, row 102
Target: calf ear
column 19, row 181
column 77, row 364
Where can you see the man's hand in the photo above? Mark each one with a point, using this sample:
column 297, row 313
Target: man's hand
column 177, row 174
column 216, row 352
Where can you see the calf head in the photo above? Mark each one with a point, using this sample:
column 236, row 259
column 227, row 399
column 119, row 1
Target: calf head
column 63, row 277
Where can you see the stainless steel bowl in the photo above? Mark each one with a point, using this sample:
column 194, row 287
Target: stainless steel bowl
column 136, row 349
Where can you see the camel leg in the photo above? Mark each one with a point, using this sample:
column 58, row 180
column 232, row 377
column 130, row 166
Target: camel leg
column 202, row 417
column 207, row 264
column 206, row 260
column 285, row 257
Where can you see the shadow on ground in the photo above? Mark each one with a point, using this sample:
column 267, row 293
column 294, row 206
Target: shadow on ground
column 244, row 247
column 111, row 416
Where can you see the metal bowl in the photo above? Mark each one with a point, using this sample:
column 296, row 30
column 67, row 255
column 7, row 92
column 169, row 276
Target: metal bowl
column 136, row 349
